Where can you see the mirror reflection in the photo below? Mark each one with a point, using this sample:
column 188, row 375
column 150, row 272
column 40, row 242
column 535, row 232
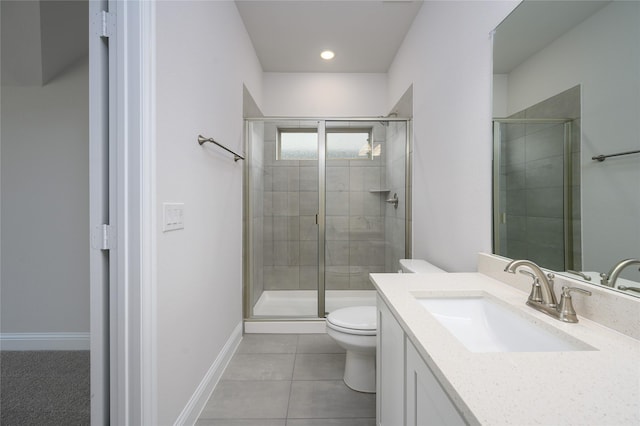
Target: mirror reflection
column 567, row 139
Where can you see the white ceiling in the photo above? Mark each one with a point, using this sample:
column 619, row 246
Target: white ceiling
column 36, row 47
column 365, row 35
column 535, row 24
column 287, row 35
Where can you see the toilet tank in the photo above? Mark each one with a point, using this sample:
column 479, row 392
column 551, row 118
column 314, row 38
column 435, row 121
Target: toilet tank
column 418, row 266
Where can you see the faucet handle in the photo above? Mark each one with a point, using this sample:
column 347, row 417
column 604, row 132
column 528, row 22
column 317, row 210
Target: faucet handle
column 566, row 291
column 536, row 290
column 550, row 277
column 565, row 309
column 604, row 278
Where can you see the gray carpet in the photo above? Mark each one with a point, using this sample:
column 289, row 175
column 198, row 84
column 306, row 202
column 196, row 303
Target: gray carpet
column 44, row 388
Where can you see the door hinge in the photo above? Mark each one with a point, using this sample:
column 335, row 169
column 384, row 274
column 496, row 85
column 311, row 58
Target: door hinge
column 102, row 238
column 107, row 24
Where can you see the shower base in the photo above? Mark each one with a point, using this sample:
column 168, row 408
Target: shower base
column 296, row 311
column 303, row 303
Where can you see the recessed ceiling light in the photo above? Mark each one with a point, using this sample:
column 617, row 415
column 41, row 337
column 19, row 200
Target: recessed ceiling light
column 327, row 55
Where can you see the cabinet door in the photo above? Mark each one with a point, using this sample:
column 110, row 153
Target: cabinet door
column 389, row 369
column 427, row 402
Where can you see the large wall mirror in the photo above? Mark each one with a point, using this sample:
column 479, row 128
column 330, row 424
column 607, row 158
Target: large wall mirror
column 567, row 139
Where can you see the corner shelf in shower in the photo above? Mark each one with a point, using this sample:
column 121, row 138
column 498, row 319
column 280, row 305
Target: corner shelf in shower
column 379, row 191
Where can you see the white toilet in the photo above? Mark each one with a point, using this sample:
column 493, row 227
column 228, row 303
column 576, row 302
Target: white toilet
column 354, row 329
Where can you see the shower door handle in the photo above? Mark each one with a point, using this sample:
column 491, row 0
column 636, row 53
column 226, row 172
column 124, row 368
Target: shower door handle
column 393, row 200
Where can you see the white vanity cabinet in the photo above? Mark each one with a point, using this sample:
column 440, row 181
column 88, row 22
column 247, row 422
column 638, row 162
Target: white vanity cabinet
column 497, row 388
column 408, row 392
column 389, row 369
column 427, row 402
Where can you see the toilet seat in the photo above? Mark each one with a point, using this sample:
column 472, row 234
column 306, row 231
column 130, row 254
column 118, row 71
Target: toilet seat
column 356, row 320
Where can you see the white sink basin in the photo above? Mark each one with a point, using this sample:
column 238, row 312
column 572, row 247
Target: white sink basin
column 485, row 325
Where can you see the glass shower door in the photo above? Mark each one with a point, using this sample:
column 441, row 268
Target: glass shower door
column 282, row 246
column 533, row 192
column 364, row 229
column 325, row 206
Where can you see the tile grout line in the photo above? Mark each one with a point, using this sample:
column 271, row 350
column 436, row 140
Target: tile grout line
column 295, row 357
column 298, row 351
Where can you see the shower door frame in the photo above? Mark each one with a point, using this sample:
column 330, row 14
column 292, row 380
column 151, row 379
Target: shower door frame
column 321, row 215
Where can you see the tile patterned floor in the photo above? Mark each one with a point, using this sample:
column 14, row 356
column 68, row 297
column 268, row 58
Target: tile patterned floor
column 287, row 380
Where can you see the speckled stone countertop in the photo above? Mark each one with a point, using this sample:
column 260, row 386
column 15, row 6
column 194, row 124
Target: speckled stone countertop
column 591, row 387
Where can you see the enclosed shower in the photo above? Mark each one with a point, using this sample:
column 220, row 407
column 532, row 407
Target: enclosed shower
column 536, row 195
column 326, row 204
column 537, row 183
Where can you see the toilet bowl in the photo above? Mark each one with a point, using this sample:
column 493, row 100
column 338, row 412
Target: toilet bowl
column 354, row 329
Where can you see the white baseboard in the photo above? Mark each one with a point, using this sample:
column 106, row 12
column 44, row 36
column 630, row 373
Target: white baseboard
column 203, row 392
column 286, row 327
column 45, row 341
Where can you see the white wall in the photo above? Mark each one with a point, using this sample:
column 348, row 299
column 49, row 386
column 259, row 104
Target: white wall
column 325, row 95
column 601, row 55
column 204, row 56
column 45, row 205
column 500, row 89
column 447, row 56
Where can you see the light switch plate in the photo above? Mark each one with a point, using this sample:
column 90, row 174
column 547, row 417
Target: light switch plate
column 173, row 216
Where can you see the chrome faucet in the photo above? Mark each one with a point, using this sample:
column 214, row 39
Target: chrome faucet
column 542, row 296
column 610, row 279
column 542, row 290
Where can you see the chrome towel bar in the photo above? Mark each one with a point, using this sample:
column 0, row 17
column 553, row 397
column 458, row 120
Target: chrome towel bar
column 202, row 139
column 604, row 157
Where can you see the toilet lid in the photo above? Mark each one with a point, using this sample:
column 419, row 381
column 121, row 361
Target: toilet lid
column 355, row 318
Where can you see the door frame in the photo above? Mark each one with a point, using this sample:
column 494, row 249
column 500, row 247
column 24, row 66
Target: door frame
column 98, row 214
column 322, row 217
column 122, row 170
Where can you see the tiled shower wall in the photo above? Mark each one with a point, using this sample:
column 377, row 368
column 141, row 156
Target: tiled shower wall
column 357, row 216
column 532, row 186
column 363, row 233
column 290, row 233
column 355, row 240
